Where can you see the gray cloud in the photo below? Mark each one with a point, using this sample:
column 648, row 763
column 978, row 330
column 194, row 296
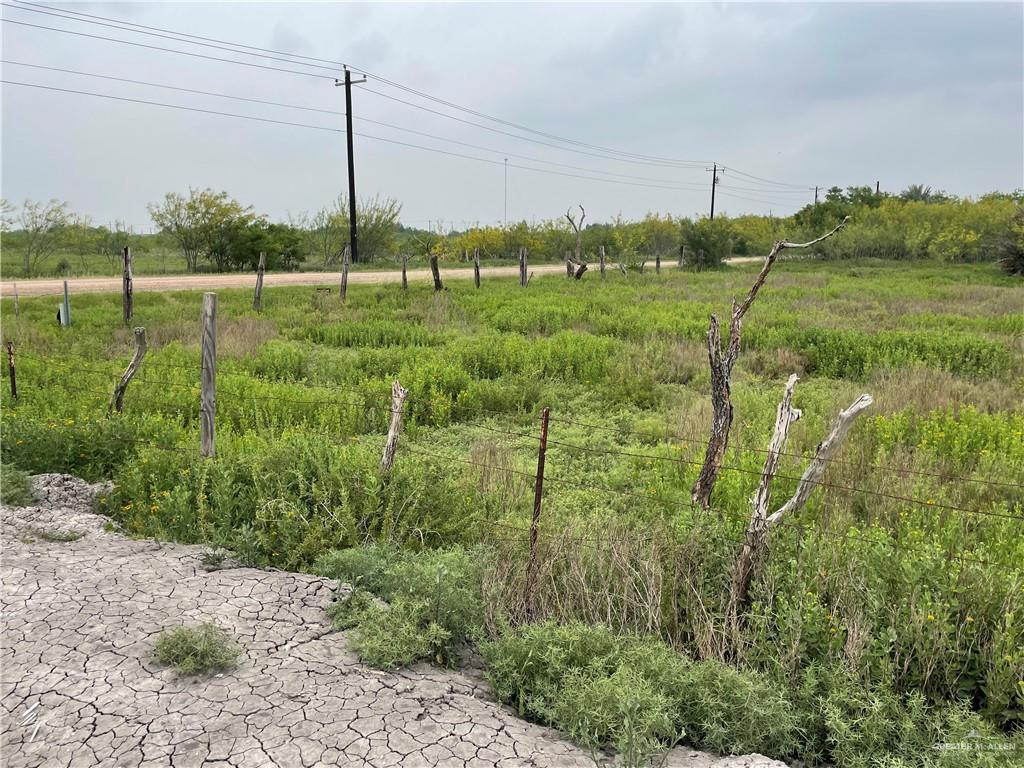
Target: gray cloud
column 815, row 94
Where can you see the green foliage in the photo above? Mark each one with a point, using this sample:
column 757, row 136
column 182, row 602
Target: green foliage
column 434, row 602
column 201, row 650
column 708, row 241
column 15, row 487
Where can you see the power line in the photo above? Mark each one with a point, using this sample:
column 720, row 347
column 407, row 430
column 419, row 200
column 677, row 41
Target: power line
column 383, row 124
column 338, row 130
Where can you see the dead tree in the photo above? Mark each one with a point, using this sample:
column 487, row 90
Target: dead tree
column 575, row 266
column 721, row 363
column 476, row 267
column 346, row 257
column 405, row 267
column 761, row 523
column 436, row 272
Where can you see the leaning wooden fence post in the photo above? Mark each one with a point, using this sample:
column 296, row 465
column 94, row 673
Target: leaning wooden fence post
column 10, row 370
column 436, row 272
column 127, row 299
column 476, row 266
column 208, row 376
column 346, row 257
column 257, row 297
column 523, row 279
column 117, row 402
column 600, row 259
column 538, row 495
column 405, row 266
column 398, row 395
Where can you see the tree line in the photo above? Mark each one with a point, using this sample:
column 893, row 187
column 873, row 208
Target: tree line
column 211, row 231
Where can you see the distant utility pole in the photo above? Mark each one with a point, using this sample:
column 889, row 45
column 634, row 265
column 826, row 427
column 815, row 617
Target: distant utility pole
column 714, row 183
column 815, row 195
column 352, row 235
column 878, row 187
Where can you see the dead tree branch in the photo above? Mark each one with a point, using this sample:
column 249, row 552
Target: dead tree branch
column 117, row 401
column 721, row 372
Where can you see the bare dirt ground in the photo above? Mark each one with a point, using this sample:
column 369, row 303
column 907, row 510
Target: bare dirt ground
column 53, row 287
column 78, row 686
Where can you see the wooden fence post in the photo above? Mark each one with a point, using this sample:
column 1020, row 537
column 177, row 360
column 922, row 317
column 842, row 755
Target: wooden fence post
column 523, row 279
column 657, row 263
column 127, row 299
column 257, row 297
column 65, row 309
column 117, row 402
column 10, row 370
column 208, row 376
column 436, row 272
column 538, row 495
column 682, row 256
column 346, row 257
column 398, row 395
column 600, row 258
column 17, row 309
column 476, row 266
column 405, row 265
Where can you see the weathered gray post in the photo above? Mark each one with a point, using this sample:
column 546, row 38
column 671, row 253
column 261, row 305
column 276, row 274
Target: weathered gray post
column 657, row 263
column 523, row 279
column 208, row 376
column 65, row 309
column 127, row 299
column 538, row 496
column 257, row 298
column 10, row 370
column 346, row 257
column 405, row 265
column 476, row 266
column 600, row 258
column 398, row 395
column 117, row 402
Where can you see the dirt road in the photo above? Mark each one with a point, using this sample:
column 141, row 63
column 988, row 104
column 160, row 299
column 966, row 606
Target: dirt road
column 78, row 686
column 53, row 287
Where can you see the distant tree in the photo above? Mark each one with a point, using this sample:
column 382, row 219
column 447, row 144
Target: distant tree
column 1009, row 245
column 377, row 223
column 709, row 241
column 661, row 235
column 200, row 224
column 920, row 193
column 43, row 227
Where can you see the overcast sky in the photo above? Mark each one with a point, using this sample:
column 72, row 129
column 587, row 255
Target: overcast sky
column 799, row 94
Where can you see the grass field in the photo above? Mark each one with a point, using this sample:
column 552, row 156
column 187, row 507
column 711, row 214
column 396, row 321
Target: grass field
column 887, row 618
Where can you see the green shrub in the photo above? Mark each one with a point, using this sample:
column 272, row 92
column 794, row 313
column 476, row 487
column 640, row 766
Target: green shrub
column 15, row 487
column 196, row 651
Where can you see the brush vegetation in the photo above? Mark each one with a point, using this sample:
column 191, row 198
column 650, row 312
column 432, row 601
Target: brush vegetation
column 877, row 627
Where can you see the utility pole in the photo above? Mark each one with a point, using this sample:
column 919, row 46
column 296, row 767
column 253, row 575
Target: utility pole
column 815, row 195
column 878, row 188
column 352, row 235
column 714, row 183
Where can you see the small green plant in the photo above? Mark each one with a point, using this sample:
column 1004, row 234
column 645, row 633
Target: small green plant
column 198, row 650
column 57, row 537
column 212, row 560
column 352, row 609
column 15, row 488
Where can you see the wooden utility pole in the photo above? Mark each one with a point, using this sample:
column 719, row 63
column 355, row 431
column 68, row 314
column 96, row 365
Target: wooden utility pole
column 345, row 258
column 714, row 183
column 208, row 376
column 538, row 496
column 476, row 266
column 10, row 370
column 117, row 401
column 128, row 300
column 352, row 234
column 257, row 299
column 398, row 395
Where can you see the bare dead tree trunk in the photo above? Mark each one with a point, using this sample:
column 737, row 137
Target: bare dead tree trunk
column 761, row 523
column 257, row 297
column 580, row 270
column 398, row 395
column 568, row 265
column 405, row 267
column 575, row 266
column 117, row 401
column 476, row 267
column 436, row 272
column 721, row 365
column 682, row 256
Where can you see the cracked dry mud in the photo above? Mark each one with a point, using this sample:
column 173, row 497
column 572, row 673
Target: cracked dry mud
column 80, row 619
